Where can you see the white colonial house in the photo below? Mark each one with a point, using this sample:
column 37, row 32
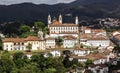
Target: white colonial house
column 87, row 30
column 96, row 58
column 55, row 53
column 57, row 28
column 69, row 41
column 99, row 32
column 94, row 40
column 81, row 51
column 11, row 44
column 100, row 68
column 100, row 61
column 50, row 42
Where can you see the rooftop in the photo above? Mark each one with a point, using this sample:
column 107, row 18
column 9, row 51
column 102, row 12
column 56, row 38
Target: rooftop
column 58, row 24
column 94, row 37
column 17, row 40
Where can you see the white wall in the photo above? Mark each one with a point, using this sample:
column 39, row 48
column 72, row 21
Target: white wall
column 69, row 43
column 97, row 43
column 50, row 43
column 8, row 46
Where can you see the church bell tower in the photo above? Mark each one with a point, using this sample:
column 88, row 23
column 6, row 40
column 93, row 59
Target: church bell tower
column 60, row 18
column 49, row 19
column 76, row 20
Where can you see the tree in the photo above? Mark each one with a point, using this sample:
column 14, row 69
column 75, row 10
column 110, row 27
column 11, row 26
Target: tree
column 50, row 70
column 29, row 47
column 5, row 55
column 6, row 65
column 67, row 62
column 74, row 62
column 40, row 60
column 88, row 62
column 24, row 35
column 59, row 41
column 18, row 59
column 39, row 25
column 29, row 68
column 67, row 53
column 46, row 30
column 24, row 29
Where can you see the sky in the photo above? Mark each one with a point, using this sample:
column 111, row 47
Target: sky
column 9, row 2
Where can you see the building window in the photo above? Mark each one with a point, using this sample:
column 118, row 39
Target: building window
column 6, row 45
column 15, row 49
column 18, row 43
column 22, row 48
column 38, row 48
column 14, row 43
column 22, row 43
column 18, row 48
column 6, row 48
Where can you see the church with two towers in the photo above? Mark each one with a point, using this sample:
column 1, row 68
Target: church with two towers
column 58, row 28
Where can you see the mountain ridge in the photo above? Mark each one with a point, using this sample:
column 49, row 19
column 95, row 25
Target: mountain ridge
column 82, row 8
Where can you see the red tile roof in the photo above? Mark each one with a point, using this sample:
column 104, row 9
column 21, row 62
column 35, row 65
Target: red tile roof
column 98, row 30
column 82, row 49
column 93, row 37
column 14, row 40
column 17, row 40
column 70, row 37
column 32, row 38
column 91, row 56
column 58, row 24
column 50, row 38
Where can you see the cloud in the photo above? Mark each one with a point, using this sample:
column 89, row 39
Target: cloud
column 8, row 2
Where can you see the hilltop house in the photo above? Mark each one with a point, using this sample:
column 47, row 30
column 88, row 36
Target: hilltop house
column 99, row 68
column 69, row 41
column 81, row 51
column 21, row 43
column 94, row 40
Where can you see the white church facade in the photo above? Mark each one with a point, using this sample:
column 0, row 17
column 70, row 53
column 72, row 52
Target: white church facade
column 57, row 28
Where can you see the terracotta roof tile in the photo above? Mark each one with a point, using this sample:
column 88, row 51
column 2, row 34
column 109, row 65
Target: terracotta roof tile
column 14, row 40
column 81, row 49
column 58, row 24
column 55, row 23
column 93, row 37
column 98, row 30
column 50, row 38
column 30, row 38
column 90, row 56
column 70, row 37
